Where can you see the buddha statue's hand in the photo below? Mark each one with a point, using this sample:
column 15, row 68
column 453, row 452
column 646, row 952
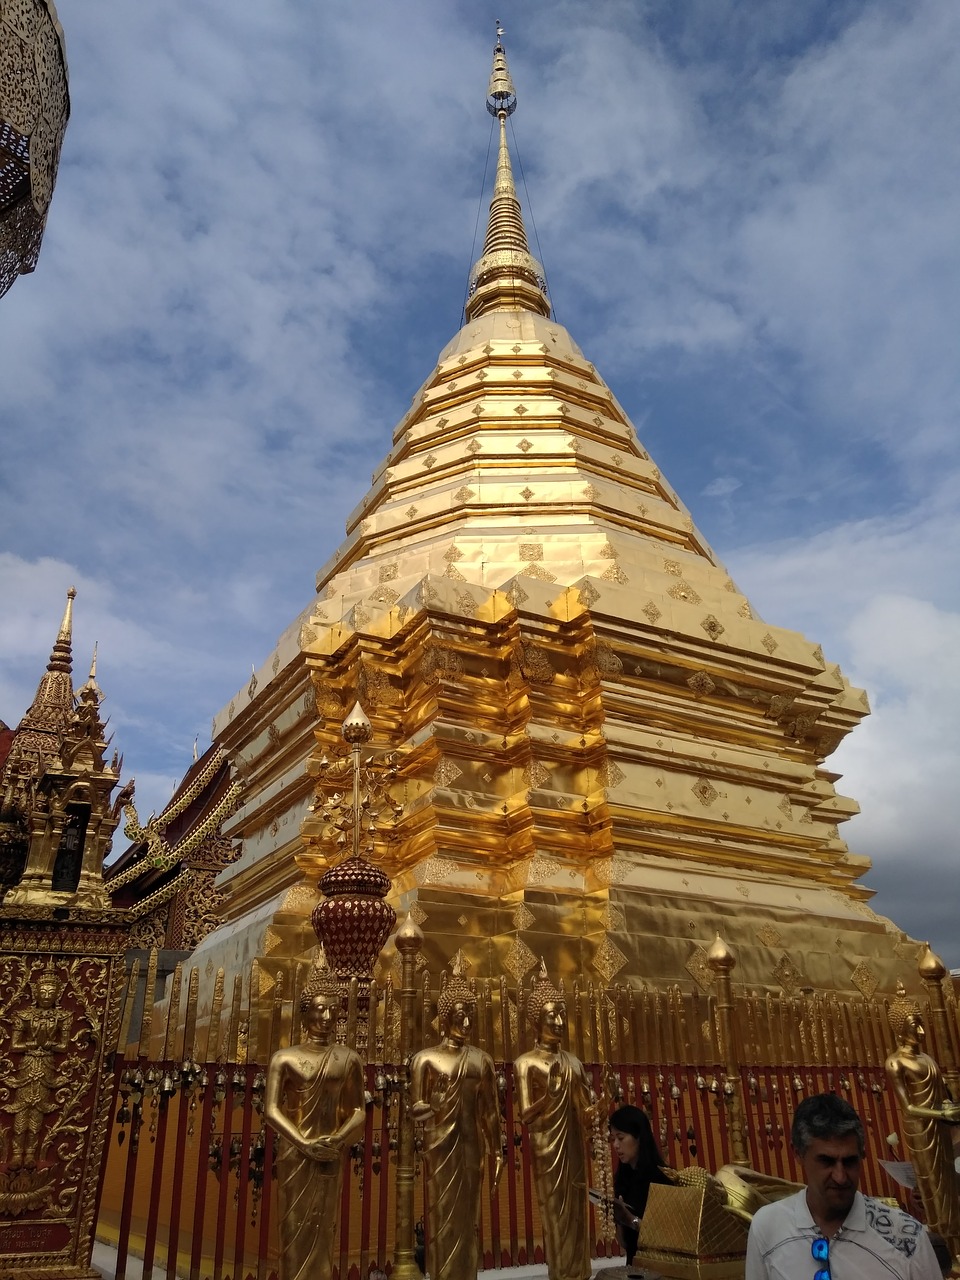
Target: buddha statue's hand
column 323, row 1148
column 554, row 1078
column 439, row 1092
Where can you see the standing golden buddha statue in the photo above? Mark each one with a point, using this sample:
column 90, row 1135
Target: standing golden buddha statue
column 453, row 1091
column 558, row 1106
column 928, row 1110
column 315, row 1101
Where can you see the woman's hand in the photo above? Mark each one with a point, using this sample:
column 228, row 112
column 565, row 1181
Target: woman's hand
column 623, row 1215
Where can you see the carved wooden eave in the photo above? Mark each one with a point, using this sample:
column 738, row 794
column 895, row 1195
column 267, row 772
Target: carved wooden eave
column 165, row 878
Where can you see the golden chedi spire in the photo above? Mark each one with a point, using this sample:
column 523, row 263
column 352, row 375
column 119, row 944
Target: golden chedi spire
column 506, row 277
column 591, row 716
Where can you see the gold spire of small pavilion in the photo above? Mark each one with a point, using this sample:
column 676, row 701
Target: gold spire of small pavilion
column 40, row 732
column 506, row 277
column 61, row 658
column 52, row 705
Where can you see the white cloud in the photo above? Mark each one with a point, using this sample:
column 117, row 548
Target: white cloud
column 882, row 597
column 722, row 487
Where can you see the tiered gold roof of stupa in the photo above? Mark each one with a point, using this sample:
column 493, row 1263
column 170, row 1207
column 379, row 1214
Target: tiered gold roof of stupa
column 608, row 755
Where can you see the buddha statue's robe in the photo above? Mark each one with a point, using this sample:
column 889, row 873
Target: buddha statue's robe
column 319, row 1089
column 558, row 1155
column 918, row 1082
column 461, row 1128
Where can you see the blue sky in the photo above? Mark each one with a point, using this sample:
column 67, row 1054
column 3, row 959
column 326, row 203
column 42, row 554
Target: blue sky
column 259, row 243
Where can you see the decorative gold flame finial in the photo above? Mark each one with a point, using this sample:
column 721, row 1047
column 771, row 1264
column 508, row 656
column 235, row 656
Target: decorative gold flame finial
column 506, row 277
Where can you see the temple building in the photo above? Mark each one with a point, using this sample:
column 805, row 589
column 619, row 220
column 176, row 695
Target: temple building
column 57, row 809
column 606, row 755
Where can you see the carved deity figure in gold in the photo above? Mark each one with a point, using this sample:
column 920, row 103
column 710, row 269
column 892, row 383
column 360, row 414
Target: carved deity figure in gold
column 928, row 1111
column 315, row 1101
column 453, row 1091
column 39, row 1031
column 558, row 1106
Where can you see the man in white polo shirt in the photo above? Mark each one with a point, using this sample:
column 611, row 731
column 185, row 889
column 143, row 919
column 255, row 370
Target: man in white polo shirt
column 829, row 1231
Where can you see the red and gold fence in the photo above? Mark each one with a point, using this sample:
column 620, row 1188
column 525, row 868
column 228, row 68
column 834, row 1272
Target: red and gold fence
column 189, row 1179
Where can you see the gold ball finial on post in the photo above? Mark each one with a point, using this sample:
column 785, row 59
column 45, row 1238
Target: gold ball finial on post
column 930, row 966
column 720, row 958
column 932, row 972
column 722, row 961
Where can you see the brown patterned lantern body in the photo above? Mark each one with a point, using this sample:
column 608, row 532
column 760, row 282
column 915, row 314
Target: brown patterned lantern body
column 353, row 921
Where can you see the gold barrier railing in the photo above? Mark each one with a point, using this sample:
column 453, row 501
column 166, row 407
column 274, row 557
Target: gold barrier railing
column 189, row 1178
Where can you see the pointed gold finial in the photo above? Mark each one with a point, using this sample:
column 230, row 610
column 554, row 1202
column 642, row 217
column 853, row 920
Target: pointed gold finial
column 719, row 957
column 409, row 935
column 501, row 95
column 357, row 726
column 61, row 656
column 930, row 966
column 506, row 277
column 91, row 690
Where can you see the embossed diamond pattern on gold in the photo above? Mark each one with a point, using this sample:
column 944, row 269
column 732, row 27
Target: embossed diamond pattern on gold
column 788, row 975
column 613, row 918
column 433, row 871
column 699, row 969
column 540, row 869
column 705, row 791
column 865, row 980
column 519, row 959
column 612, row 870
column 535, row 775
column 608, row 960
column 522, row 916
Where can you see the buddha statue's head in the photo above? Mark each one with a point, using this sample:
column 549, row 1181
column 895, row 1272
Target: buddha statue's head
column 456, row 1010
column 546, row 1011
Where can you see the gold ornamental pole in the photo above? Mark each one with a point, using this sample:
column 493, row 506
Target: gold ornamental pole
column 409, row 941
column 722, row 961
column 932, row 970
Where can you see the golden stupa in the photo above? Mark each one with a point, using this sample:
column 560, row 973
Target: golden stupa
column 606, row 755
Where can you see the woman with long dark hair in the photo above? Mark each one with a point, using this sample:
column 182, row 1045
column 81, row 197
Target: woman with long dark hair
column 639, row 1163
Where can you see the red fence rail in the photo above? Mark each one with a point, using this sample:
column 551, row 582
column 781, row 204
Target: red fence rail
column 189, row 1180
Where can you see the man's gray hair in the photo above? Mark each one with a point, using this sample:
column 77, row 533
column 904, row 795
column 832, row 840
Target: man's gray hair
column 824, row 1115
